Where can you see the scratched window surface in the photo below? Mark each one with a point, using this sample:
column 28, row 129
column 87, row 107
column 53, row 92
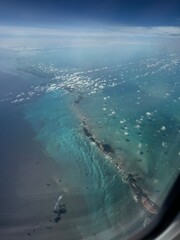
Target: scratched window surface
column 89, row 140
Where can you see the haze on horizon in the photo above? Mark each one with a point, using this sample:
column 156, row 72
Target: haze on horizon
column 93, row 23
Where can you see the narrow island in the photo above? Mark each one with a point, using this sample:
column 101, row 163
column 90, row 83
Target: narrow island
column 150, row 208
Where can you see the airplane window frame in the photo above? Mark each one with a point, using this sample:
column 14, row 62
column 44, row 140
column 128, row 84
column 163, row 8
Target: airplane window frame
column 168, row 212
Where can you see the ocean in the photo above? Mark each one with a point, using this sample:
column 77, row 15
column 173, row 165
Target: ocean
column 101, row 115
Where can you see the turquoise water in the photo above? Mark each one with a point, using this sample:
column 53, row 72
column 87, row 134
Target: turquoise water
column 85, row 171
column 131, row 101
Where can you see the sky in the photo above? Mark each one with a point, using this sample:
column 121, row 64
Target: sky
column 62, row 12
column 96, row 20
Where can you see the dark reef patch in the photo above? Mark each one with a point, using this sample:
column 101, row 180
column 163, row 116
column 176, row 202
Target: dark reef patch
column 78, row 100
column 61, row 210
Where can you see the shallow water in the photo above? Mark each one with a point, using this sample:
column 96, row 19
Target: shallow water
column 130, row 101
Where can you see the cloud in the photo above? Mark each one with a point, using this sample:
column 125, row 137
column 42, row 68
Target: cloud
column 84, row 36
column 115, row 31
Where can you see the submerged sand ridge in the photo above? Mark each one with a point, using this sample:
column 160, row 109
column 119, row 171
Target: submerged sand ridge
column 30, row 191
column 32, row 184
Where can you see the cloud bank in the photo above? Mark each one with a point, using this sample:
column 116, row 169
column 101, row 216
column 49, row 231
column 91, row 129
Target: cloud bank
column 15, row 35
